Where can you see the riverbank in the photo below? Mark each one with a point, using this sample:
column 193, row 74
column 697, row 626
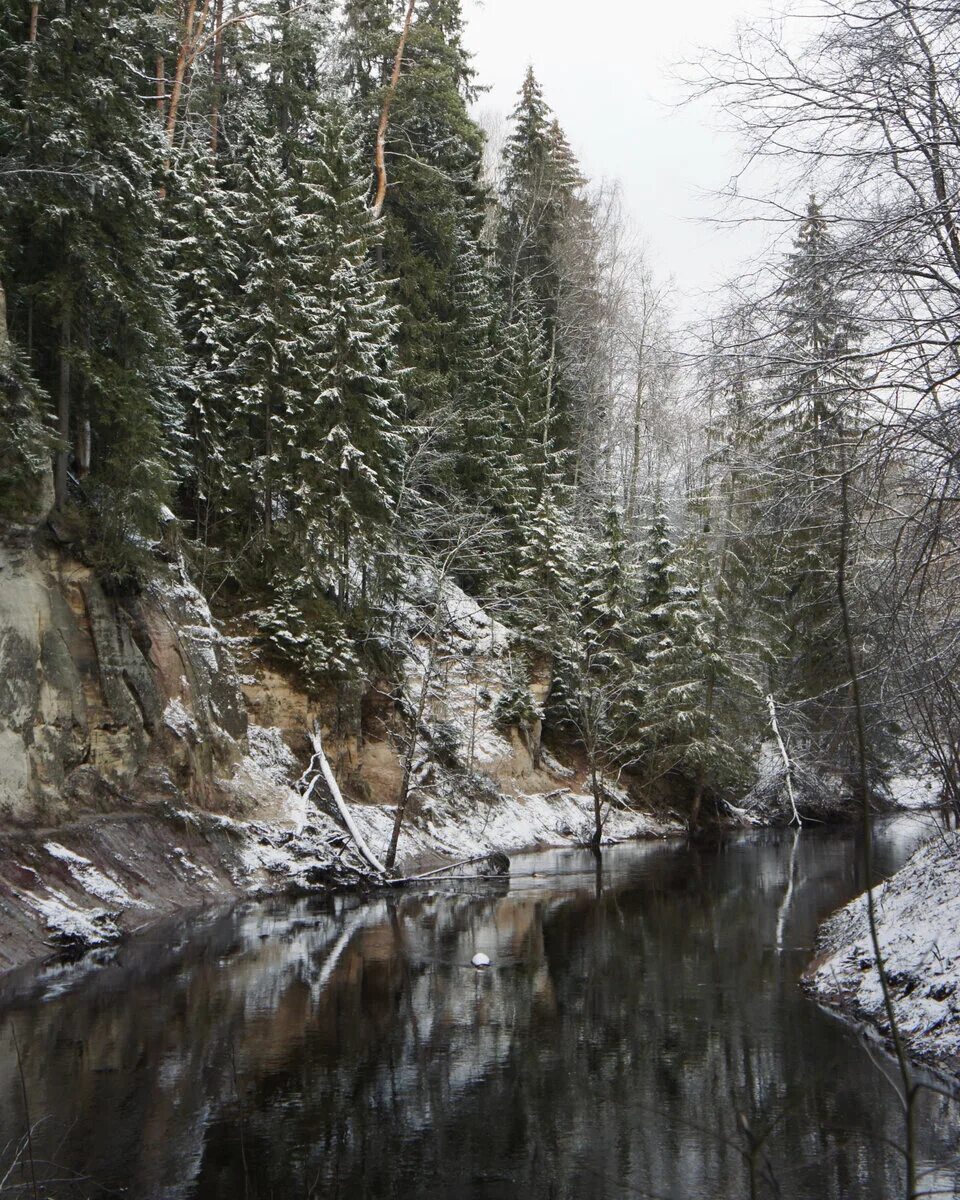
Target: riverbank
column 918, row 923
column 88, row 885
column 153, row 759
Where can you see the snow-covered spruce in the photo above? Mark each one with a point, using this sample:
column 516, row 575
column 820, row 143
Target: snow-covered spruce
column 918, row 917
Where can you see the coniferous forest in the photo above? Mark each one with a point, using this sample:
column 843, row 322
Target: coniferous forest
column 331, row 407
column 225, row 333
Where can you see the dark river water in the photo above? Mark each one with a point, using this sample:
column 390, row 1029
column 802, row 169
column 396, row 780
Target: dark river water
column 632, row 1025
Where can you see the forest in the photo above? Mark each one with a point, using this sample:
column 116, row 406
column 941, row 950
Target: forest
column 372, row 505
column 276, row 304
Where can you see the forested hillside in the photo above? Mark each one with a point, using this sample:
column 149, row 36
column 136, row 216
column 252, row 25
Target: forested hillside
column 282, row 313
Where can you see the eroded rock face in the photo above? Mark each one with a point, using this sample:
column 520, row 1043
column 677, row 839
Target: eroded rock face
column 131, row 783
column 104, row 702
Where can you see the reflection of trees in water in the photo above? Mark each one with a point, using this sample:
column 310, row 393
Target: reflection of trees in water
column 607, row 1052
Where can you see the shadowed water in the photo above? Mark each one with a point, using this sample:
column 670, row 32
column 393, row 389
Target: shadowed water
column 634, row 1024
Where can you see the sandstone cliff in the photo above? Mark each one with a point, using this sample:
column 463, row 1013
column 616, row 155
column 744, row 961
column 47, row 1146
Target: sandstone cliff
column 150, row 762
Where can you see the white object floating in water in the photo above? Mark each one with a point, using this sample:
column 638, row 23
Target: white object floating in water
column 480, row 960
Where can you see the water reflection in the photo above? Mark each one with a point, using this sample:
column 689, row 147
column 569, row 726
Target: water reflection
column 636, row 1030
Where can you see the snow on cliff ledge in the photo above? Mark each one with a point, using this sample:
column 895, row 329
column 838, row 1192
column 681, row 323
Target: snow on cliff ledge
column 918, row 916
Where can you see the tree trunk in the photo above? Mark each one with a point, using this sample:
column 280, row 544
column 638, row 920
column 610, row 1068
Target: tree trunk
column 160, row 85
column 909, row 1095
column 83, row 448
column 698, row 790
column 381, row 160
column 6, row 352
column 787, row 765
column 409, row 758
column 217, row 79
column 186, row 45
column 337, row 796
column 597, row 805
column 268, row 470
column 700, row 783
column 32, row 39
column 63, row 410
column 636, row 444
column 548, row 399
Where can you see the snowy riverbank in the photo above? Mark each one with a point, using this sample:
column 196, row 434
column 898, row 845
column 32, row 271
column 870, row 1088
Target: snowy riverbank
column 94, row 882
column 918, row 917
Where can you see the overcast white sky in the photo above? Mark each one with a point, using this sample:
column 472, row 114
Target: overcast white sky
column 607, row 69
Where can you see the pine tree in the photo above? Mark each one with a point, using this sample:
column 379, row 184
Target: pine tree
column 369, row 41
column 435, row 201
column 295, row 42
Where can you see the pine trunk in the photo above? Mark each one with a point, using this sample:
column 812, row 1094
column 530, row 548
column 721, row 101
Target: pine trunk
column 5, row 350
column 217, row 79
column 381, row 153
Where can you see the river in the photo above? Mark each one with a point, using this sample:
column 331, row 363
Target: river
column 635, row 1024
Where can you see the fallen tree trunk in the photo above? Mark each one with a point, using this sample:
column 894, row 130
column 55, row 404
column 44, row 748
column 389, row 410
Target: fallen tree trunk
column 320, row 758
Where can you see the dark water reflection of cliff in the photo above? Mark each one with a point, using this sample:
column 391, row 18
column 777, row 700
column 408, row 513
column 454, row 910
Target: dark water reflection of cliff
column 346, row 1049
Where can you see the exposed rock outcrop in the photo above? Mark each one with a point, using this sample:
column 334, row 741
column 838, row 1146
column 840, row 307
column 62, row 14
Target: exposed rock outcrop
column 106, row 702
column 149, row 762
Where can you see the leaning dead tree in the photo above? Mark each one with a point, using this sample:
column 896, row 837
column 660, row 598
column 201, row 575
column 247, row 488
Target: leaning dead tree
column 325, row 772
column 787, row 765
column 380, row 194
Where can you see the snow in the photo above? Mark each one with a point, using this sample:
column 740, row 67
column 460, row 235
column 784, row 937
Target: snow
column 916, row 789
column 177, row 718
column 266, row 774
column 555, row 767
column 471, row 673
column 270, row 754
column 70, row 925
column 918, row 916
column 446, row 825
column 89, row 878
column 198, row 871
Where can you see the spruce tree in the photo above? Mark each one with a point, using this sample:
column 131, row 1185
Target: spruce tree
column 272, row 340
column 813, row 409
column 541, row 232
column 352, row 452
column 594, row 693
column 699, row 694
column 82, row 255
column 206, row 252
column 333, row 563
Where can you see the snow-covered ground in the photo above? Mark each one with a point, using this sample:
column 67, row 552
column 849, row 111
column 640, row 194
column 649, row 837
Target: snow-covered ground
column 918, row 917
column 449, row 818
